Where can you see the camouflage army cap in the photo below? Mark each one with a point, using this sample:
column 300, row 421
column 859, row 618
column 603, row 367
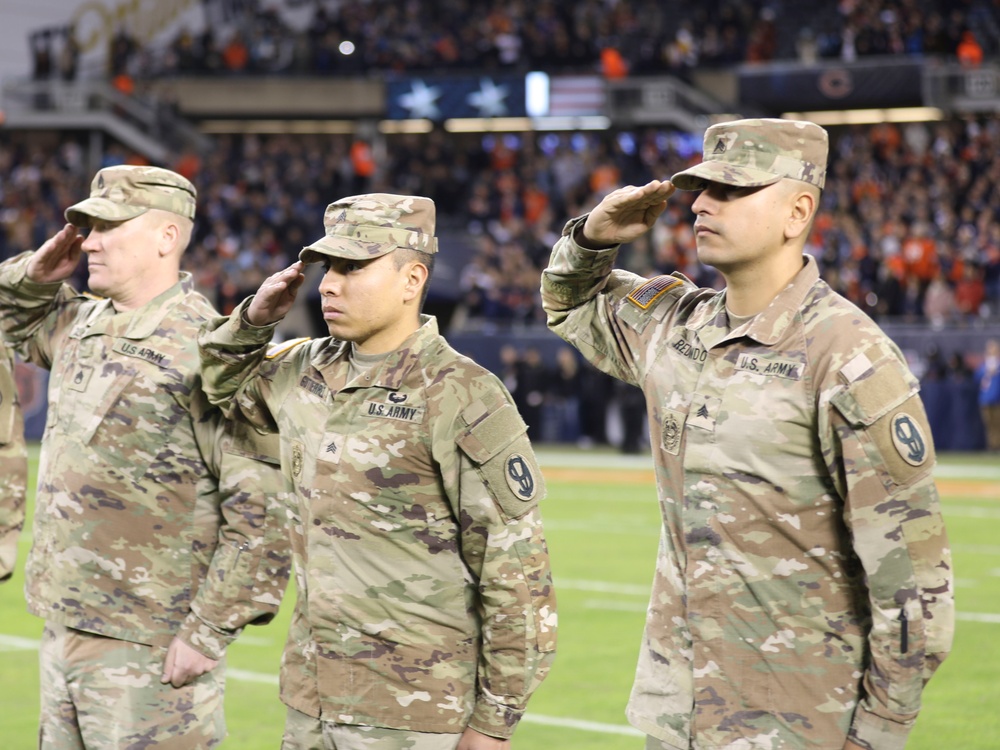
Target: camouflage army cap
column 124, row 192
column 751, row 153
column 367, row 226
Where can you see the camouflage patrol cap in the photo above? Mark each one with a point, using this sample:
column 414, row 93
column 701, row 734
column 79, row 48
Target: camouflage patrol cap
column 367, row 226
column 124, row 192
column 752, row 153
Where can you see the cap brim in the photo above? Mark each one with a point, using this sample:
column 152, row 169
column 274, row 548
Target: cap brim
column 80, row 214
column 343, row 247
column 697, row 176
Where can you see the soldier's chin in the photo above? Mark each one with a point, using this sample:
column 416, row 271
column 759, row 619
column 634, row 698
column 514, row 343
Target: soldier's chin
column 338, row 331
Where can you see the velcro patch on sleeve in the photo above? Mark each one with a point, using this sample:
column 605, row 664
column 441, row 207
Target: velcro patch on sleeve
column 646, row 295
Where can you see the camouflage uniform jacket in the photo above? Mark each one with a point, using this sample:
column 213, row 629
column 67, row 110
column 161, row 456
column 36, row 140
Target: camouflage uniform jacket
column 13, row 465
column 803, row 587
column 425, row 599
column 135, row 538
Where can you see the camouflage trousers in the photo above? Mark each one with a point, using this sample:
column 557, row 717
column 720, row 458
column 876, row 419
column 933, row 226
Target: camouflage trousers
column 303, row 732
column 105, row 694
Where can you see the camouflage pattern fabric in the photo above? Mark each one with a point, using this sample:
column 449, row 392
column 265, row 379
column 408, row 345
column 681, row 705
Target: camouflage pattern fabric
column 753, row 153
column 13, row 465
column 367, row 226
column 803, row 589
column 303, row 732
column 425, row 600
column 105, row 693
column 123, row 192
column 135, row 538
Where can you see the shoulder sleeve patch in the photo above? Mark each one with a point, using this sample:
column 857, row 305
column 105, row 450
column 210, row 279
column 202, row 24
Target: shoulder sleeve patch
column 646, row 295
column 277, row 350
column 882, row 404
column 497, row 443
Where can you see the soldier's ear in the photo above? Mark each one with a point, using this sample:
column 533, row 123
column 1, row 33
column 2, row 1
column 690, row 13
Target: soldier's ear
column 804, row 203
column 415, row 274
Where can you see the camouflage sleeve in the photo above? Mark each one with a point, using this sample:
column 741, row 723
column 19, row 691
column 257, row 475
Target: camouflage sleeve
column 581, row 296
column 878, row 449
column 249, row 569
column 32, row 314
column 232, row 352
column 13, row 467
column 499, row 487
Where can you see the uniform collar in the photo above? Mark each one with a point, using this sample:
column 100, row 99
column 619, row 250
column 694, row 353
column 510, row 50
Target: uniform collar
column 710, row 321
column 393, row 370
column 142, row 322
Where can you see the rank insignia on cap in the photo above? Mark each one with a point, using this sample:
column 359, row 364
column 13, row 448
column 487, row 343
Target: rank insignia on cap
column 720, row 147
column 909, row 439
column 644, row 296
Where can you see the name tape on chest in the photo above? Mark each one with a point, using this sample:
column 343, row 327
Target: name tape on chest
column 646, row 295
column 782, row 368
column 137, row 350
column 688, row 350
column 314, row 387
column 402, row 412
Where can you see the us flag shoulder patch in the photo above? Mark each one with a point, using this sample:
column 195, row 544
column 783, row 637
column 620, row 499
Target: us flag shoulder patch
column 644, row 296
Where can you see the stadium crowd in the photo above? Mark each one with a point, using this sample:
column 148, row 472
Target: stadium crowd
column 359, row 37
column 909, row 227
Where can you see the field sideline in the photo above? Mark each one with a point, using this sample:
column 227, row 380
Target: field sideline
column 602, row 521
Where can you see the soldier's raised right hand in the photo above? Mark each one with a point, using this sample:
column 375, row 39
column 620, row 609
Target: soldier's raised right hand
column 276, row 295
column 57, row 258
column 626, row 213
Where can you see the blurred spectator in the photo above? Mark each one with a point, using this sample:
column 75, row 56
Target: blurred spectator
column 935, row 392
column 595, row 394
column 562, row 412
column 631, row 405
column 69, row 55
column 987, row 378
column 939, row 301
column 970, row 54
column 966, row 427
column 532, row 382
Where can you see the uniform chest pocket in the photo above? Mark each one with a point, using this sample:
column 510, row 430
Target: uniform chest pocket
column 132, row 428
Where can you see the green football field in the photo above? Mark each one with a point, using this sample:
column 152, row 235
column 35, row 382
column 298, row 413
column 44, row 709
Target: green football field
column 601, row 521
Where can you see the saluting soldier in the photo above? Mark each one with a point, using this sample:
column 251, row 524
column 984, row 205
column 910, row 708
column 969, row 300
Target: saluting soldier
column 803, row 593
column 156, row 537
column 426, row 615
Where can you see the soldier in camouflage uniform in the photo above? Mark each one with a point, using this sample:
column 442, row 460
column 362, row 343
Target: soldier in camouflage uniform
column 426, row 615
column 803, row 588
column 13, row 465
column 152, row 541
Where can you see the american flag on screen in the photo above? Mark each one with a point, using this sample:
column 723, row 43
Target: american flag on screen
column 576, row 96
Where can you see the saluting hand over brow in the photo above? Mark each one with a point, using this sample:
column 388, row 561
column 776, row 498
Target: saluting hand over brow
column 627, row 213
column 276, row 295
column 57, row 258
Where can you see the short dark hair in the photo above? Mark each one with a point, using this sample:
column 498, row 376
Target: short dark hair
column 403, row 255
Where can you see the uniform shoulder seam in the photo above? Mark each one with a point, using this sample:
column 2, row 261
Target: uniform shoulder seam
column 280, row 349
